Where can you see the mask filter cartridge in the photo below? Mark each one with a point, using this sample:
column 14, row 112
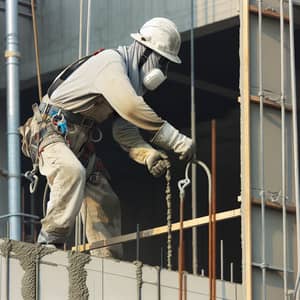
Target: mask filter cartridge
column 153, row 79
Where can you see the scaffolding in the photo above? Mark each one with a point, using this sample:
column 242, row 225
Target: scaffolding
column 251, row 98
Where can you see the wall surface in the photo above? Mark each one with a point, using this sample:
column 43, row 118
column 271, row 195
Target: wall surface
column 107, row 279
column 111, row 24
column 271, row 158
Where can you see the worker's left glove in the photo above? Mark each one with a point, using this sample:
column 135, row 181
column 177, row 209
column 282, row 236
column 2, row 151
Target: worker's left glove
column 157, row 163
column 169, row 138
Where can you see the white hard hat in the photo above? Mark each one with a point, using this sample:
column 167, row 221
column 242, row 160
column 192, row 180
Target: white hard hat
column 160, row 35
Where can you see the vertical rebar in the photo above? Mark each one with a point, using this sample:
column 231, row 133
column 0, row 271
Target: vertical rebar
column 37, row 278
column 261, row 150
column 283, row 153
column 139, row 286
column 194, row 136
column 295, row 138
column 212, row 217
column 137, row 242
column 231, row 272
column 158, row 283
column 181, row 248
column 222, row 259
column 12, row 56
column 7, row 277
column 77, row 219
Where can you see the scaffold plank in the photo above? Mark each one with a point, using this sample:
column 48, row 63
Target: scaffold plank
column 157, row 231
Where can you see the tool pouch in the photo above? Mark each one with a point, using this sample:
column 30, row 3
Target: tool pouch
column 37, row 133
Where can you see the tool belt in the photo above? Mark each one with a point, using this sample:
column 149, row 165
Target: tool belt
column 75, row 118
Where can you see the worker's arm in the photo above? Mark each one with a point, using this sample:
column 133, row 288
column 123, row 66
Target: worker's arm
column 129, row 138
column 118, row 91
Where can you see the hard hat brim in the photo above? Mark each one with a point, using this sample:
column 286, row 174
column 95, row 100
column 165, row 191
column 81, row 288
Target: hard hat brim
column 138, row 38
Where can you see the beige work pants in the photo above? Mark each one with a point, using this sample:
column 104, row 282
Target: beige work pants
column 71, row 192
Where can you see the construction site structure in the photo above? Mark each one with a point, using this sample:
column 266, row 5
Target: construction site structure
column 235, row 207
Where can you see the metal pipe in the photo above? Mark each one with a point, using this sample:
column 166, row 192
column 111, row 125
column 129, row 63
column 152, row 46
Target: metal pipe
column 194, row 136
column 13, row 121
column 283, row 153
column 261, row 150
column 80, row 28
column 245, row 149
column 88, row 28
column 19, row 215
column 295, row 138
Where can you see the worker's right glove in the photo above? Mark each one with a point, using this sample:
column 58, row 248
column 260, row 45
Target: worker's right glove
column 169, row 138
column 157, row 163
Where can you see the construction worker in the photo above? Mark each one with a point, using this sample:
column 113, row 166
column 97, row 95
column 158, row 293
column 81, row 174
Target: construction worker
column 108, row 84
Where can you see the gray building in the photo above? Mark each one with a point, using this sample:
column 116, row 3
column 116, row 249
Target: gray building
column 245, row 95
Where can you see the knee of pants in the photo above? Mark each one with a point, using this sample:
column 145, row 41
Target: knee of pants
column 75, row 173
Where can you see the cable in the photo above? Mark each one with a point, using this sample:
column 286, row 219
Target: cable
column 36, row 48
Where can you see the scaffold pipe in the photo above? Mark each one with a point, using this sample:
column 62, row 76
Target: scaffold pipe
column 12, row 56
column 295, row 139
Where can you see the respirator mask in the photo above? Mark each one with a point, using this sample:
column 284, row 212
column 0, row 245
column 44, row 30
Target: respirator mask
column 157, row 75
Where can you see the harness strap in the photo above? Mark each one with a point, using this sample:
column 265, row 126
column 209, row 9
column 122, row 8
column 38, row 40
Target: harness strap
column 144, row 57
column 68, row 71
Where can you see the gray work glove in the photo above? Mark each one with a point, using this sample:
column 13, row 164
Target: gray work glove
column 157, row 163
column 169, row 138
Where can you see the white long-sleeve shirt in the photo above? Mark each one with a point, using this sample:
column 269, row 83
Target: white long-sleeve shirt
column 101, row 86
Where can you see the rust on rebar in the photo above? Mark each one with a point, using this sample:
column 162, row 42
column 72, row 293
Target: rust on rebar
column 212, row 217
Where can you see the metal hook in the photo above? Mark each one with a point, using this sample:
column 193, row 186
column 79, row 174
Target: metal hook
column 100, row 136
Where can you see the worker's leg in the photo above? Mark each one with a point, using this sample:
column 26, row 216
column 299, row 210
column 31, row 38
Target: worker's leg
column 66, row 178
column 101, row 213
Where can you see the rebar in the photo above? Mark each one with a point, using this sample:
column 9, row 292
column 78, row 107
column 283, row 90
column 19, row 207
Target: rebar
column 77, row 219
column 295, row 138
column 222, row 259
column 261, row 151
column 283, row 152
column 194, row 137
column 212, row 217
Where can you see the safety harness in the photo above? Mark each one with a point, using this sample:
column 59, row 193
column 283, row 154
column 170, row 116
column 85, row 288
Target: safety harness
column 49, row 125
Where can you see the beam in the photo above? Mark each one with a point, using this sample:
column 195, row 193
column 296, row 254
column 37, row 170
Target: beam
column 158, row 230
column 204, row 85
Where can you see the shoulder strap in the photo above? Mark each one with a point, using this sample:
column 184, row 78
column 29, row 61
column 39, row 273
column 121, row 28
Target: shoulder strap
column 68, row 71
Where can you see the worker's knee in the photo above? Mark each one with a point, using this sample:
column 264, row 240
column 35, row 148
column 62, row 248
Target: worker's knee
column 74, row 173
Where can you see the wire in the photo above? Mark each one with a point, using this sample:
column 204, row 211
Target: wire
column 36, row 48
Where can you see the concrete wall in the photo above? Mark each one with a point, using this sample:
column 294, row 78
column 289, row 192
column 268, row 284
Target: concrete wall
column 111, row 24
column 107, row 279
column 272, row 158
